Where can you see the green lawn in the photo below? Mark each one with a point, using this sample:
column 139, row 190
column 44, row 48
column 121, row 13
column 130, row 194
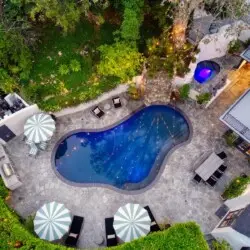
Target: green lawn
column 53, row 91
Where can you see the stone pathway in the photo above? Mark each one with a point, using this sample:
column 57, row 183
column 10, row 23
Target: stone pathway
column 174, row 197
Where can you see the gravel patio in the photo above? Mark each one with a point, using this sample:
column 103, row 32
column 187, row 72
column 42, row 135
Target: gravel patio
column 174, row 197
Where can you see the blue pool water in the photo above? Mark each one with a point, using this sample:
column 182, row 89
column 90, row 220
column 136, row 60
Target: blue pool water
column 206, row 71
column 127, row 156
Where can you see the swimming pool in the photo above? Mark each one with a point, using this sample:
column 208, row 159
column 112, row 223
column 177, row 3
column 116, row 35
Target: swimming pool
column 127, row 156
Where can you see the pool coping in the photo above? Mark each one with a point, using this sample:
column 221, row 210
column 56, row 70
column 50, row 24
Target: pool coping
column 113, row 188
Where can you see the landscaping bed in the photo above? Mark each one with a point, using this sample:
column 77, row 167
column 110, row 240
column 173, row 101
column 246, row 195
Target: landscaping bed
column 63, row 71
column 13, row 234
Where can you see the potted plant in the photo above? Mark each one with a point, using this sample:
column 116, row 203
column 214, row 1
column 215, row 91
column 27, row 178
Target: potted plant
column 236, row 187
column 203, row 98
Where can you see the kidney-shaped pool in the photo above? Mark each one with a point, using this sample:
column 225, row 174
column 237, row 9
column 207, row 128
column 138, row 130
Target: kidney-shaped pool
column 127, row 156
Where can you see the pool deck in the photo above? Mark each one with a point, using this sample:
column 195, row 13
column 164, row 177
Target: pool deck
column 173, row 197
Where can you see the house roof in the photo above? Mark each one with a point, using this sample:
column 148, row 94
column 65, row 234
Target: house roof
column 246, row 54
column 242, row 223
column 237, row 116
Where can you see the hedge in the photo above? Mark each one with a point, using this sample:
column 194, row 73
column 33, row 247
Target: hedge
column 186, row 236
column 14, row 235
column 236, row 187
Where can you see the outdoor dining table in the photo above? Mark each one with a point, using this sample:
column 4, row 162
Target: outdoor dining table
column 209, row 166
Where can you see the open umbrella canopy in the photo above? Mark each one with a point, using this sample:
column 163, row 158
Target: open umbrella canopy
column 52, row 221
column 131, row 222
column 39, row 127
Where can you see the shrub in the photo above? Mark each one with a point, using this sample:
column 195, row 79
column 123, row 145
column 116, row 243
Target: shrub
column 221, row 245
column 180, row 236
column 184, row 91
column 75, row 65
column 234, row 46
column 236, row 187
column 120, row 60
column 230, row 138
column 63, row 69
column 203, row 98
column 133, row 92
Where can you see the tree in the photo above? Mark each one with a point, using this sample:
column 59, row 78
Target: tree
column 64, row 13
column 120, row 59
column 184, row 8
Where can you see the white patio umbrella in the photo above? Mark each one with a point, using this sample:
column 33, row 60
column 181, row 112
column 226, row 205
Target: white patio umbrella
column 52, row 221
column 39, row 127
column 131, row 222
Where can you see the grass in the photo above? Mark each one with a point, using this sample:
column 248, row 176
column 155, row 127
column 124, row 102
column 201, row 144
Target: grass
column 52, row 90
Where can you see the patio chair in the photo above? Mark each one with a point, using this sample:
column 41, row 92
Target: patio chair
column 33, row 150
column 117, row 102
column 197, row 178
column 74, row 231
column 28, row 142
column 154, row 226
column 211, row 181
column 217, row 174
column 43, row 145
column 222, row 155
column 111, row 239
column 97, row 112
column 222, row 168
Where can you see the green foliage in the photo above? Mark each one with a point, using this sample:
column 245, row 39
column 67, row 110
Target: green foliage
column 230, row 138
column 133, row 92
column 120, row 60
column 15, row 56
column 184, row 91
column 162, row 56
column 130, row 25
column 221, row 245
column 29, row 224
column 163, row 13
column 236, row 187
column 7, row 83
column 234, row 46
column 64, row 14
column 75, row 65
column 52, row 91
column 203, row 98
column 63, row 69
column 3, row 190
column 180, row 236
column 132, row 19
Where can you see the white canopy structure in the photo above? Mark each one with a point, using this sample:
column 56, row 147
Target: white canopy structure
column 39, row 127
column 131, row 222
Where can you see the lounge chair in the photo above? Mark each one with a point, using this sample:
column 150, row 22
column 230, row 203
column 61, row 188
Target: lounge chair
column 197, row 178
column 110, row 232
column 33, row 150
column 222, row 155
column 74, row 231
column 211, row 181
column 117, row 102
column 43, row 145
column 222, row 168
column 217, row 174
column 154, row 226
column 97, row 112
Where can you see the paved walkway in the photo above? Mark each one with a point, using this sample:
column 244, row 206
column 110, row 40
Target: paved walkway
column 174, row 197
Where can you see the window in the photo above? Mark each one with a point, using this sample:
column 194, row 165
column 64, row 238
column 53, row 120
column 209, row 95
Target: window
column 230, row 218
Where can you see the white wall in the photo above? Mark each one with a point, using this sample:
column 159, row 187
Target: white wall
column 16, row 121
column 234, row 238
column 238, row 202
